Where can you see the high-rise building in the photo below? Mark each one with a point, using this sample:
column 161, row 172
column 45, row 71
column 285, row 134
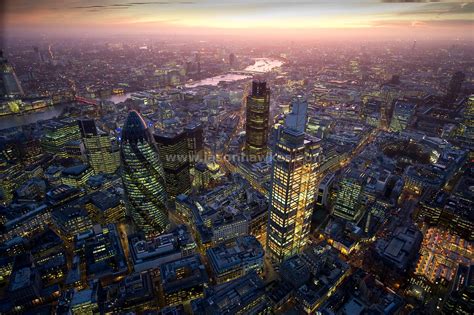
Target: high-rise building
column 232, row 59
column 349, row 197
column 258, row 106
column 143, row 176
column 194, row 134
column 102, row 155
column 57, row 134
column 454, row 88
column 173, row 148
column 390, row 91
column 10, row 86
column 39, row 54
column 293, row 185
column 468, row 118
column 402, row 115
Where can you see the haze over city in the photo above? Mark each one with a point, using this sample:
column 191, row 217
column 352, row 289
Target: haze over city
column 297, row 19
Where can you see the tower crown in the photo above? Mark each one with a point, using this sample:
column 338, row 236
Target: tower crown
column 135, row 128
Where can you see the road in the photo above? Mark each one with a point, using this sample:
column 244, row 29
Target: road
column 124, row 230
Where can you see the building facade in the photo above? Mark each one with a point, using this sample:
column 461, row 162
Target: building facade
column 293, row 185
column 143, row 177
column 349, row 196
column 257, row 113
column 102, row 156
column 173, row 149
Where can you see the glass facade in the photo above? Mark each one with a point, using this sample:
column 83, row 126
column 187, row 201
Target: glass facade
column 174, row 156
column 10, row 86
column 101, row 154
column 258, row 105
column 295, row 163
column 348, row 199
column 143, row 177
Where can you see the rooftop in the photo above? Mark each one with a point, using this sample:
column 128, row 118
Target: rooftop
column 183, row 273
column 75, row 170
column 234, row 254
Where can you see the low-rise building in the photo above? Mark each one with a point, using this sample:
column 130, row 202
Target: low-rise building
column 151, row 253
column 183, row 280
column 134, row 293
column 101, row 250
column 399, row 250
column 71, row 221
column 245, row 295
column 233, row 259
column 76, row 176
column 105, row 207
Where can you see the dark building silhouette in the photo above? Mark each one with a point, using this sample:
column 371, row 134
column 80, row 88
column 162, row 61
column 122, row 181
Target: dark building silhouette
column 232, row 59
column 173, row 148
column 258, row 106
column 195, row 138
column 454, row 88
column 87, row 127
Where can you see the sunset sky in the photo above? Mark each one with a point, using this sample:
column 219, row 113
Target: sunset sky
column 449, row 18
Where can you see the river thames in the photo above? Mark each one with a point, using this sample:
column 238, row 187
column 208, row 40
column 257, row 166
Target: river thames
column 261, row 65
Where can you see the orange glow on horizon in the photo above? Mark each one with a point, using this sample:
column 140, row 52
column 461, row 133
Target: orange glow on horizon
column 239, row 17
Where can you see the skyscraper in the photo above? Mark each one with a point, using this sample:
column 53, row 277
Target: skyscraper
column 454, row 88
column 143, row 176
column 402, row 115
column 468, row 118
column 258, row 106
column 349, row 197
column 194, row 134
column 293, row 185
column 390, row 91
column 101, row 154
column 58, row 133
column 173, row 148
column 9, row 84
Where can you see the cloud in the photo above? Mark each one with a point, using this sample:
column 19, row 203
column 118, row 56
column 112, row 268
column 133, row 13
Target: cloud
column 415, row 1
column 465, row 23
column 131, row 4
column 441, row 8
column 406, row 1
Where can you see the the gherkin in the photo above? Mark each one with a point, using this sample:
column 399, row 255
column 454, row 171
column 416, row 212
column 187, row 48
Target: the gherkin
column 143, row 176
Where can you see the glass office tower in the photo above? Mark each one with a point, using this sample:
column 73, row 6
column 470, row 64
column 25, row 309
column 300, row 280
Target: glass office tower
column 256, row 129
column 174, row 156
column 102, row 155
column 143, row 177
column 293, row 186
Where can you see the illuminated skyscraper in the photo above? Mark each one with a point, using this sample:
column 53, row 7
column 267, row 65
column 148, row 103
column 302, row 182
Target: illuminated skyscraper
column 101, row 154
column 143, row 176
column 258, row 106
column 295, row 163
column 468, row 118
column 57, row 134
column 349, row 197
column 9, row 84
